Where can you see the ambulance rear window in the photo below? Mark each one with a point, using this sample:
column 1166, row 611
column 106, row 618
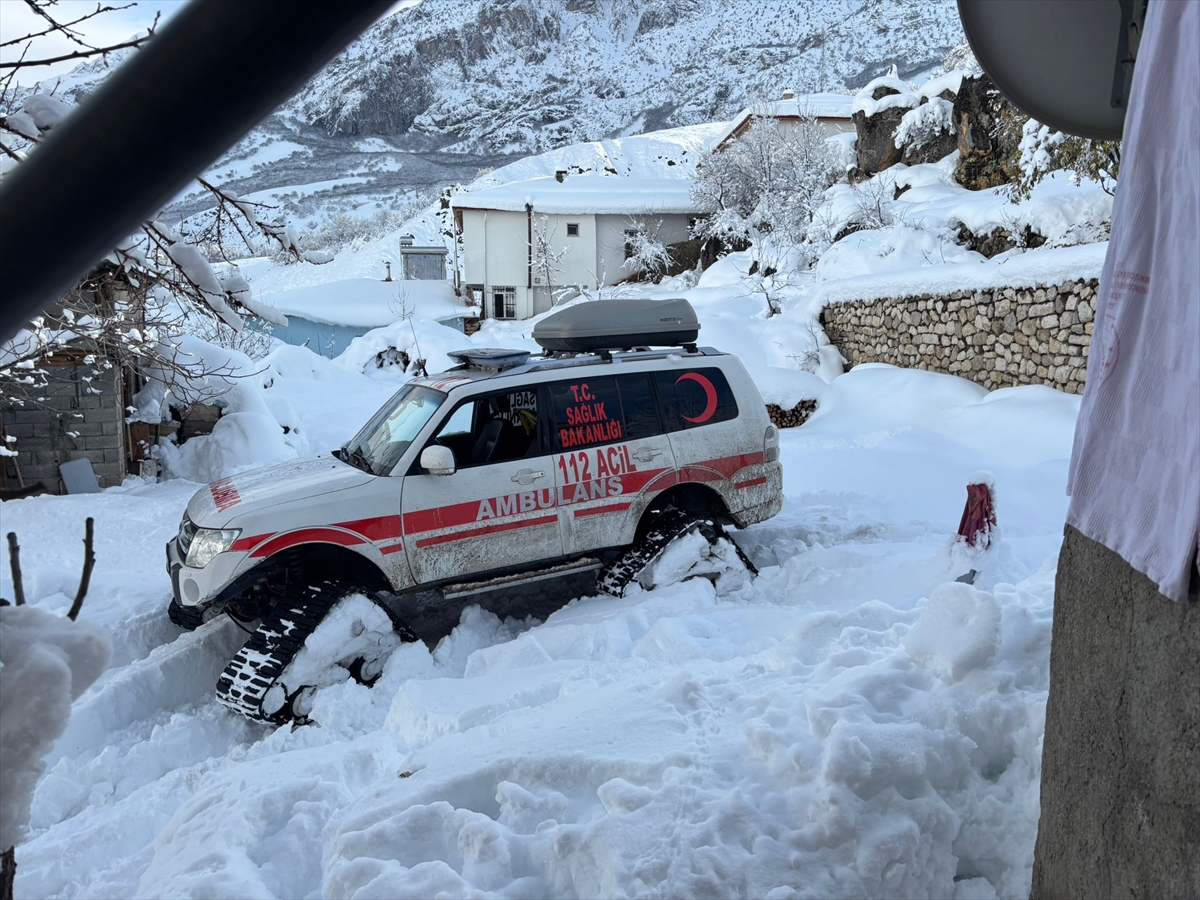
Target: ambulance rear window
column 693, row 398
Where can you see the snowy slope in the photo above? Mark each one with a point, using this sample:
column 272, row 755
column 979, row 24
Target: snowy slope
column 852, row 723
column 492, row 82
column 518, row 75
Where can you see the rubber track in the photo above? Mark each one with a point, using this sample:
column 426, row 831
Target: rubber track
column 255, row 668
column 668, row 525
column 188, row 618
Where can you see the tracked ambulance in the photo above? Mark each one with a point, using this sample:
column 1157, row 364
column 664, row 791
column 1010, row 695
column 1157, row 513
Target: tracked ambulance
column 506, row 470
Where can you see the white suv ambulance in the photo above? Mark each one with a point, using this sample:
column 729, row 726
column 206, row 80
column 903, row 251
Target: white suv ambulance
column 503, row 470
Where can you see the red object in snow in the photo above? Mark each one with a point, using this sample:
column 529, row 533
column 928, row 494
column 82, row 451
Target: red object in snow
column 979, row 516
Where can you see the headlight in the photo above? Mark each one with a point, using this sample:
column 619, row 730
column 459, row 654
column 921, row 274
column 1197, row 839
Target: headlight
column 207, row 543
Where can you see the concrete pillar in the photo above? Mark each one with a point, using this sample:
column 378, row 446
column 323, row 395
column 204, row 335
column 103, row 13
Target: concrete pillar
column 1121, row 755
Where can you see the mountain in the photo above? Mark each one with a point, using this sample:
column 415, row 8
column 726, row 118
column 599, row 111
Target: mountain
column 521, row 76
column 440, row 90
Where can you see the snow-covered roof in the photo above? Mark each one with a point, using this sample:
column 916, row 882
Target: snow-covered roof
column 367, row 303
column 820, row 106
column 583, row 194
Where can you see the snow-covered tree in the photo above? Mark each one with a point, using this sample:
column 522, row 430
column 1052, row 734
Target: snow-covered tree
column 768, row 180
column 647, row 258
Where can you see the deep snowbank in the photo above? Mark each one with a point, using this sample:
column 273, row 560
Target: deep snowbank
column 851, row 723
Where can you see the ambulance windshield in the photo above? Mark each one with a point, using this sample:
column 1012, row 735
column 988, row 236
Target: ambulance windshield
column 382, row 441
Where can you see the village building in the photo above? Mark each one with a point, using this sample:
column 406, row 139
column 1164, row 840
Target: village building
column 831, row 111
column 421, row 263
column 530, row 244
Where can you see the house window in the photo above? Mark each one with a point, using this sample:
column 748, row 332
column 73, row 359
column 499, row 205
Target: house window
column 504, row 302
column 572, row 229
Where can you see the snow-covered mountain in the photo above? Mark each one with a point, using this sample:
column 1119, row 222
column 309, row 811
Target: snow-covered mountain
column 526, row 75
column 436, row 92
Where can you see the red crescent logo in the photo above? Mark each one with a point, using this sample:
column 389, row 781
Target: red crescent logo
column 709, row 391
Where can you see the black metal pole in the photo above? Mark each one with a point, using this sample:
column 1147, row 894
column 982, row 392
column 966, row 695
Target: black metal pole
column 210, row 74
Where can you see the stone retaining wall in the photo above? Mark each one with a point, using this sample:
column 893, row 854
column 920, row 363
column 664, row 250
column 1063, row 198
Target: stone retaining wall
column 997, row 337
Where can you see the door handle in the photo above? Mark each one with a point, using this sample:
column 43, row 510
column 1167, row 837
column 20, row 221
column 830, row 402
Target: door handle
column 645, row 454
column 527, row 476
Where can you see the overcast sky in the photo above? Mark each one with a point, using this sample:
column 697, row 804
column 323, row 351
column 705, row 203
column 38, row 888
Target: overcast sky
column 16, row 20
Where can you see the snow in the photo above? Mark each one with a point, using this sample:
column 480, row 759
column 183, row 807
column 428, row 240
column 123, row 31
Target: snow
column 951, row 82
column 850, row 722
column 367, row 302
column 585, row 194
column 903, row 96
column 1045, row 266
column 46, row 661
column 240, row 441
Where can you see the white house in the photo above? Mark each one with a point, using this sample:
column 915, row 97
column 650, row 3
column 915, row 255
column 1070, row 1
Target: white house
column 529, row 243
column 832, row 111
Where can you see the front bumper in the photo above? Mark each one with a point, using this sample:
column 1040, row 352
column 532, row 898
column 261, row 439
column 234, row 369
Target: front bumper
column 199, row 587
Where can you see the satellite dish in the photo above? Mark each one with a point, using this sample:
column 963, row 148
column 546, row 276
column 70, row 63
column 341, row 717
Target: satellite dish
column 1066, row 63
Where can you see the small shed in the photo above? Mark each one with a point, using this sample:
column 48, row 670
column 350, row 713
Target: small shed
column 832, row 111
column 80, row 412
column 421, row 263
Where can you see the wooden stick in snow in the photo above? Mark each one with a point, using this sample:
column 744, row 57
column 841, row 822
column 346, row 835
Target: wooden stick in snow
column 89, row 562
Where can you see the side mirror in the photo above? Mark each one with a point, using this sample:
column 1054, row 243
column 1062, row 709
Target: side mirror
column 437, row 460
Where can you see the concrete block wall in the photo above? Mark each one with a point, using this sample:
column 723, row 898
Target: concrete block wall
column 69, row 424
column 996, row 338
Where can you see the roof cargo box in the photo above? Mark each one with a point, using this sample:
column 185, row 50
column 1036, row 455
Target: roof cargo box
column 618, row 325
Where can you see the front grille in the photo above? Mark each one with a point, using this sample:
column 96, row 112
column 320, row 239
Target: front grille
column 187, row 531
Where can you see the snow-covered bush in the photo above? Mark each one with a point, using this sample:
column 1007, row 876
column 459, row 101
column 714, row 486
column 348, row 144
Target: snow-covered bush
column 1043, row 150
column 46, row 661
column 924, row 124
column 647, row 257
column 342, row 229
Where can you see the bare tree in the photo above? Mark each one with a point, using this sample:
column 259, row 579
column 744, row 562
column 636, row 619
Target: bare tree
column 547, row 255
column 158, row 283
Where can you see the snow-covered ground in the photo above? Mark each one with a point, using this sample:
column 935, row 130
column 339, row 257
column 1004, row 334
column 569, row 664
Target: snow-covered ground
column 851, row 723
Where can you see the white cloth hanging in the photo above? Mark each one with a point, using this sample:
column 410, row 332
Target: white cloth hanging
column 1135, row 469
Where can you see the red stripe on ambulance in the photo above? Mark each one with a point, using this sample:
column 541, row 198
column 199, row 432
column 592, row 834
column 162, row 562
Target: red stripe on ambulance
column 486, row 529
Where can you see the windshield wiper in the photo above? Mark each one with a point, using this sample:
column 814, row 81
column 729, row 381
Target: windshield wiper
column 354, row 458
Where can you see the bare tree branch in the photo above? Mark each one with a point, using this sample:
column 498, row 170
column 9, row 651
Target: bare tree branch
column 78, row 54
column 64, row 27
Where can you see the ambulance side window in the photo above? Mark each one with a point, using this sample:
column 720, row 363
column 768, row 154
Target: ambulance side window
column 494, row 428
column 694, row 398
column 587, row 413
column 638, row 406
